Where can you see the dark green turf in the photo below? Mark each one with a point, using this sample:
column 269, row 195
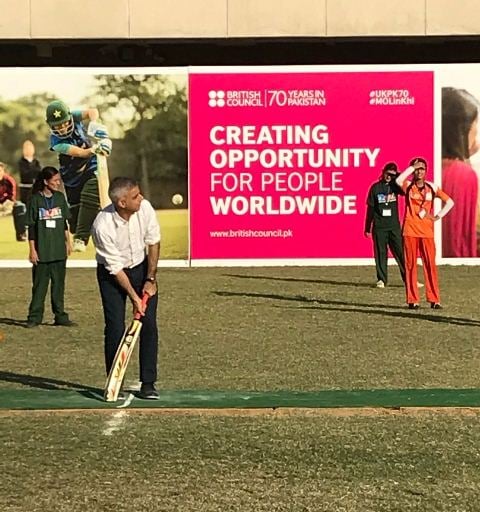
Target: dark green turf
column 393, row 398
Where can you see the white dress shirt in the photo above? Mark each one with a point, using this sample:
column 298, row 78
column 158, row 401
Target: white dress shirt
column 120, row 243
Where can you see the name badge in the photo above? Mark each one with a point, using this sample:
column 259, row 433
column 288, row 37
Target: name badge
column 428, row 196
column 50, row 223
column 386, row 213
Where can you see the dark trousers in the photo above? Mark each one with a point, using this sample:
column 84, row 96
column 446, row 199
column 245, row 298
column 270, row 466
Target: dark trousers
column 19, row 214
column 25, row 194
column 84, row 203
column 114, row 299
column 382, row 241
column 42, row 275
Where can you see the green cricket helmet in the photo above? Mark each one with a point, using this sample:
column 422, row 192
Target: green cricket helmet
column 60, row 119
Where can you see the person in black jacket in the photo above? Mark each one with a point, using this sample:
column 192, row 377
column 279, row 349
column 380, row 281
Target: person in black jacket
column 29, row 168
column 383, row 223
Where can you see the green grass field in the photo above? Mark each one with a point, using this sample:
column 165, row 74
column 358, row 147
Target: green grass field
column 426, row 463
column 249, row 329
column 174, row 228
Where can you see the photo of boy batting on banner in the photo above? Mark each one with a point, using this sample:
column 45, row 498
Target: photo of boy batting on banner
column 79, row 161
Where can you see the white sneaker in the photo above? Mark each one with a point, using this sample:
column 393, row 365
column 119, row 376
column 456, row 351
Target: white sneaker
column 380, row 284
column 420, row 285
column 79, row 245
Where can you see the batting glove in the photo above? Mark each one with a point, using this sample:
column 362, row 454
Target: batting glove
column 104, row 147
column 97, row 130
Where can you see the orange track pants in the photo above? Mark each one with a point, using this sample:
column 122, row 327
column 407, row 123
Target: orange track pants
column 425, row 248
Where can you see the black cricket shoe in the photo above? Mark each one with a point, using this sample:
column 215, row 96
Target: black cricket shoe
column 30, row 324
column 436, row 305
column 65, row 323
column 413, row 305
column 148, row 391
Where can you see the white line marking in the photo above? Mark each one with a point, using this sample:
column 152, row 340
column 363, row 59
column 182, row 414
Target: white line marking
column 115, row 422
column 127, row 402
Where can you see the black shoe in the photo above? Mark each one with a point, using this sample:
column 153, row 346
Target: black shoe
column 413, row 305
column 436, row 305
column 31, row 324
column 148, row 391
column 65, row 323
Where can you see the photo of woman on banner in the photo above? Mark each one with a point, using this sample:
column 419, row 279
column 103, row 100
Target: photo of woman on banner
column 459, row 179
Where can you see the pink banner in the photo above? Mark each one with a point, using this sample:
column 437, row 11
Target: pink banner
column 281, row 163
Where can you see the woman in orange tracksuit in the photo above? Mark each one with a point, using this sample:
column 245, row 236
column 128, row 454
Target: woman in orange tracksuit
column 418, row 235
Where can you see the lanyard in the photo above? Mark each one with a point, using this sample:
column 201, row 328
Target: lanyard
column 48, row 201
column 423, row 193
column 388, row 194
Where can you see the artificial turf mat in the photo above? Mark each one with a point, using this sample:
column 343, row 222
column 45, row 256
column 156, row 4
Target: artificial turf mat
column 38, row 399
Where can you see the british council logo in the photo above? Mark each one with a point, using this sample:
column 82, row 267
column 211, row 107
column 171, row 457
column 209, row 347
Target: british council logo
column 216, row 98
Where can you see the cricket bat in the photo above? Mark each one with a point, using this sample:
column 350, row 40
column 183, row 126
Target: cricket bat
column 103, row 181
column 102, row 167
column 122, row 357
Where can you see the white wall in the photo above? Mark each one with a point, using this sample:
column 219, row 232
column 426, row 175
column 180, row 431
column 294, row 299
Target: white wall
column 125, row 19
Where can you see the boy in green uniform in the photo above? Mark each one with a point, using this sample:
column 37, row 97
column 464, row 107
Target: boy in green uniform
column 49, row 243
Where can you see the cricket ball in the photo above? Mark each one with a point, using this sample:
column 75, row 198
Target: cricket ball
column 177, row 199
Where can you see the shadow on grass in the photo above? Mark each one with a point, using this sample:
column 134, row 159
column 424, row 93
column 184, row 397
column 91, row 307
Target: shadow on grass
column 314, row 281
column 47, row 383
column 22, row 323
column 13, row 321
column 370, row 309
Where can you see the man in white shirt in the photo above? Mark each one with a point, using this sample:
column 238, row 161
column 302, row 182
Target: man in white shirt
column 127, row 240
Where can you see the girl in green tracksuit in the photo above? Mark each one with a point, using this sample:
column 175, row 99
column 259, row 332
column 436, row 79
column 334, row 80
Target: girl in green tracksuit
column 49, row 246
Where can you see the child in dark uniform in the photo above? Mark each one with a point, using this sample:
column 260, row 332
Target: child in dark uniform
column 49, row 243
column 383, row 222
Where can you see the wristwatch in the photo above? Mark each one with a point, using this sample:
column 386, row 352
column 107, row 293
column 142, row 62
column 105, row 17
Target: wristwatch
column 152, row 279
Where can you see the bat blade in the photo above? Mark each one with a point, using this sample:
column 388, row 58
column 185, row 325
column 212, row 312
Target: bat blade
column 120, row 363
column 103, row 180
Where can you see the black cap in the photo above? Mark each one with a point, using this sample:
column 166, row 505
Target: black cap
column 390, row 168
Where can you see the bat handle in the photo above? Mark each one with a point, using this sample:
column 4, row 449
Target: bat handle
column 145, row 298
